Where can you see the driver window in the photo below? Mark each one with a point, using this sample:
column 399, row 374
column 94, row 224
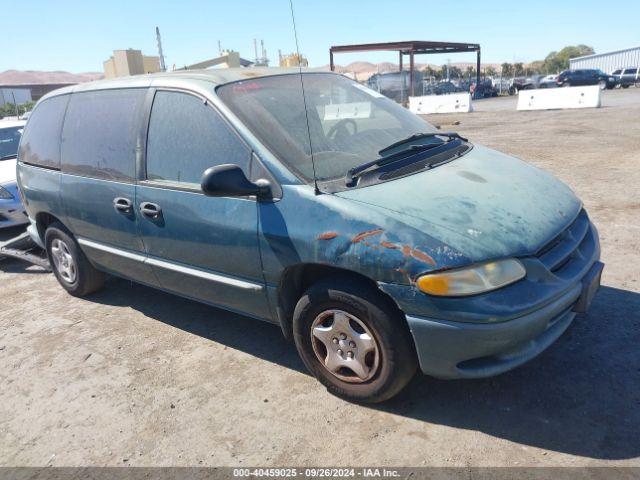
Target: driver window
column 186, row 137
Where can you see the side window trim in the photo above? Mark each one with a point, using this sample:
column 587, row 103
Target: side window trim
column 180, row 186
column 138, row 118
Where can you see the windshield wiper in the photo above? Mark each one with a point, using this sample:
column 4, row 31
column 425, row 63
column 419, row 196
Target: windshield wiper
column 9, row 156
column 418, row 136
column 355, row 172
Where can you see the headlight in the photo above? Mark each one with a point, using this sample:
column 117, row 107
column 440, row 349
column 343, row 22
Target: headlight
column 472, row 280
column 5, row 194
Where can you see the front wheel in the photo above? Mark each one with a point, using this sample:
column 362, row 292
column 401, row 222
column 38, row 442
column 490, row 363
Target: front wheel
column 354, row 340
column 602, row 84
column 69, row 264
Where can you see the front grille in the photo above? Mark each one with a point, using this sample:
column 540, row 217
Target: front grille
column 569, row 250
column 3, row 218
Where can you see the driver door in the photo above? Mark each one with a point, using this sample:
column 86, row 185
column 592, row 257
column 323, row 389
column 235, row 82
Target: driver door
column 201, row 247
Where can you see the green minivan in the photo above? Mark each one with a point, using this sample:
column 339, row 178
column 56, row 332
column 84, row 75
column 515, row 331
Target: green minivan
column 378, row 243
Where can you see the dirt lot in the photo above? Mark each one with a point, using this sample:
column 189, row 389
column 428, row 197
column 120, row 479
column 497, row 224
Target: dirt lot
column 132, row 376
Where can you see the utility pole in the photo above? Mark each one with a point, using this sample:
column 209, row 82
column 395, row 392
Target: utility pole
column 255, row 50
column 163, row 68
column 15, row 105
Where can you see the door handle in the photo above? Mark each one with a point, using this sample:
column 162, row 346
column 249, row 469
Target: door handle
column 122, row 205
column 150, row 210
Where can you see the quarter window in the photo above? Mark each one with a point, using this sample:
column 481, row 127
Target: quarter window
column 186, row 136
column 40, row 143
column 100, row 134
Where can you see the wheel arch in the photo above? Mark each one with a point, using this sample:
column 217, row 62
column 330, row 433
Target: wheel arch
column 296, row 279
column 43, row 220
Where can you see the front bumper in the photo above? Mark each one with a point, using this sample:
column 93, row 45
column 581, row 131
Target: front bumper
column 488, row 334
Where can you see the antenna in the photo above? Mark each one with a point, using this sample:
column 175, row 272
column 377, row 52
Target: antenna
column 255, row 51
column 163, row 68
column 304, row 99
column 219, row 48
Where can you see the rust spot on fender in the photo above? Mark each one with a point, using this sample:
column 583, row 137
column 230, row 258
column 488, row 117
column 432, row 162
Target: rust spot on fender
column 423, row 257
column 361, row 236
column 327, row 236
column 390, row 245
column 407, row 251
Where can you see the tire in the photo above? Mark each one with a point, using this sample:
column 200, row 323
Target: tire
column 566, row 84
column 69, row 264
column 625, row 85
column 354, row 318
column 602, row 84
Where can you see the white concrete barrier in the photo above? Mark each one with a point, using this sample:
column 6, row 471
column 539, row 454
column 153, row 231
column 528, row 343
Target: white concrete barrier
column 452, row 103
column 559, row 98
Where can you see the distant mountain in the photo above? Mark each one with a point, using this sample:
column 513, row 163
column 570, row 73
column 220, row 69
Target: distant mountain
column 363, row 70
column 34, row 77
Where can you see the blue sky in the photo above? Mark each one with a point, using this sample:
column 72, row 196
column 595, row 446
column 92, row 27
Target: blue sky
column 77, row 36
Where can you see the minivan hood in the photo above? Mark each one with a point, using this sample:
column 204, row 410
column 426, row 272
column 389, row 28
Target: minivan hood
column 7, row 171
column 484, row 205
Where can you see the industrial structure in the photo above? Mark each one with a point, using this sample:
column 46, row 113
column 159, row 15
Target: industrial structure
column 39, row 83
column 609, row 61
column 227, row 59
column 261, row 61
column 130, row 62
column 411, row 48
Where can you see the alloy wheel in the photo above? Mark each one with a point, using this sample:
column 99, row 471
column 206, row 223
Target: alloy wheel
column 63, row 261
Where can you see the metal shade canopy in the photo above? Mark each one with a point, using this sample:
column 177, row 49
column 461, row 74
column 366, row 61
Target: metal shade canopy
column 411, row 48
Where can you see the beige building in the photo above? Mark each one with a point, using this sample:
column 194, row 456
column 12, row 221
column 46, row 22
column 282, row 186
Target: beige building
column 130, row 62
column 293, row 60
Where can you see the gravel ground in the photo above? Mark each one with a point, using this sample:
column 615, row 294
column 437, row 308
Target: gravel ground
column 133, row 376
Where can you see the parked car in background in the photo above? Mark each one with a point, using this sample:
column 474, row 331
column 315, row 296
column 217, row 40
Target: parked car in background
column 517, row 84
column 395, row 85
column 441, row 88
column 378, row 243
column 627, row 77
column 11, row 210
column 548, row 81
column 485, row 89
column 582, row 77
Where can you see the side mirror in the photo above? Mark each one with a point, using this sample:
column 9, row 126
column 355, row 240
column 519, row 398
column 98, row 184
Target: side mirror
column 230, row 181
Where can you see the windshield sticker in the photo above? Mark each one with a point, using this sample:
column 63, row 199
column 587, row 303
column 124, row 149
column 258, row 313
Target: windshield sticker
column 341, row 111
column 373, row 93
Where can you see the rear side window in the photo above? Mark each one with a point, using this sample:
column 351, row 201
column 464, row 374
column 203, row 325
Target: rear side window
column 40, row 143
column 100, row 134
column 630, row 71
column 186, row 136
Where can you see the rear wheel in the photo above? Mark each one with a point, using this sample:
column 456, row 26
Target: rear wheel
column 602, row 84
column 69, row 264
column 354, row 340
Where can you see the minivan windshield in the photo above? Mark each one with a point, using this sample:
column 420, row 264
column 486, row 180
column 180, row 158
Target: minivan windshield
column 9, row 141
column 348, row 123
